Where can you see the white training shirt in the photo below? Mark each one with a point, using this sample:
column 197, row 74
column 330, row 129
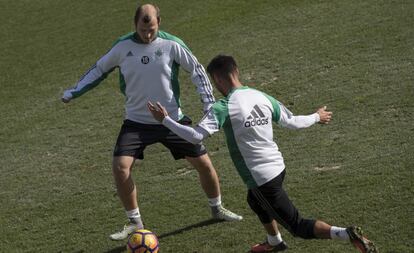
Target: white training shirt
column 148, row 72
column 246, row 115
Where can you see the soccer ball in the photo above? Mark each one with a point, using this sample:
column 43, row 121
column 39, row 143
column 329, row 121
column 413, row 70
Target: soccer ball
column 142, row 241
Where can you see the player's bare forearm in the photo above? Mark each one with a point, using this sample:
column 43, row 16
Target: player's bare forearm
column 324, row 115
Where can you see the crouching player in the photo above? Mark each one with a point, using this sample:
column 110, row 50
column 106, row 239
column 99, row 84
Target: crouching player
column 246, row 116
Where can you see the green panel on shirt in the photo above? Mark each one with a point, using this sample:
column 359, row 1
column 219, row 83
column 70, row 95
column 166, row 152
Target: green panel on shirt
column 175, row 67
column 221, row 112
column 122, row 83
column 220, row 109
column 127, row 36
column 175, row 83
column 167, row 36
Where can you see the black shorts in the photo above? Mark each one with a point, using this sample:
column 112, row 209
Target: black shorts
column 135, row 137
column 271, row 202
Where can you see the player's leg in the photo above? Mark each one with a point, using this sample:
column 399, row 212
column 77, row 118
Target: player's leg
column 207, row 174
column 129, row 146
column 196, row 155
column 274, row 200
column 322, row 230
column 272, row 230
column 127, row 192
column 352, row 234
column 125, row 186
column 274, row 241
column 210, row 183
column 277, row 203
column 286, row 214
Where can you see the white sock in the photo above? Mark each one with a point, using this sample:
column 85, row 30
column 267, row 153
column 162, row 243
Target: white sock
column 274, row 239
column 135, row 217
column 214, row 201
column 339, row 233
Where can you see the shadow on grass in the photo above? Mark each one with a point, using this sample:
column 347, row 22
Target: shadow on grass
column 190, row 227
column 120, row 249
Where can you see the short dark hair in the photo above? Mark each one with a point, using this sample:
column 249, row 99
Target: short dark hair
column 147, row 19
column 222, row 66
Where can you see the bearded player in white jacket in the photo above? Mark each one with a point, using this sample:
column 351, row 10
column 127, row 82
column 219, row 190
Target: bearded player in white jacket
column 246, row 116
column 148, row 61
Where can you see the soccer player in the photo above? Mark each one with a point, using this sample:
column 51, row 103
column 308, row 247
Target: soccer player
column 246, row 116
column 148, row 61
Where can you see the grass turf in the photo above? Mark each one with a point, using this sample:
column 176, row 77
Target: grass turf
column 56, row 187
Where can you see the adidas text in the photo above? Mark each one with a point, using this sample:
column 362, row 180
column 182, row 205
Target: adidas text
column 256, row 122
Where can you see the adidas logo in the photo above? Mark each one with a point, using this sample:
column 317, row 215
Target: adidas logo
column 129, row 54
column 256, row 118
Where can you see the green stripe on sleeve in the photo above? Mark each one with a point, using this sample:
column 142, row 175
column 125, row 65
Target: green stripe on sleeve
column 276, row 107
column 92, row 85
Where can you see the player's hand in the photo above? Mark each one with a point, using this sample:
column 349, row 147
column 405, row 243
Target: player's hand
column 158, row 112
column 324, row 115
column 65, row 100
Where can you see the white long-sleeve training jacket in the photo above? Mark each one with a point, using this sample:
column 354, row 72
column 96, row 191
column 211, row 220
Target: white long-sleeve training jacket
column 148, row 72
column 246, row 116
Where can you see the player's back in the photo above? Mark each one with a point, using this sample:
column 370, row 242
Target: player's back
column 250, row 115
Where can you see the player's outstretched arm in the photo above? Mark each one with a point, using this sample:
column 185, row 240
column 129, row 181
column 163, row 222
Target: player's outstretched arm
column 94, row 76
column 287, row 119
column 193, row 135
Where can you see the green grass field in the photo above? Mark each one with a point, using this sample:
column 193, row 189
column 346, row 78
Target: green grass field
column 56, row 186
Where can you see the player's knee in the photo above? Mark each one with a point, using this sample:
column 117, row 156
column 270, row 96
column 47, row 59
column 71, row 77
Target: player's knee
column 202, row 164
column 205, row 170
column 120, row 167
column 120, row 174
